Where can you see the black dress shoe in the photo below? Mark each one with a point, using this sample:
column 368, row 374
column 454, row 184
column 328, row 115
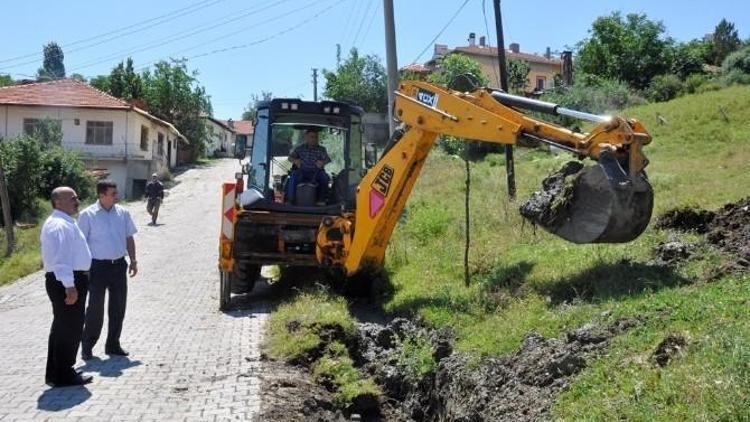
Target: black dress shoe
column 86, row 354
column 79, row 379
column 117, row 351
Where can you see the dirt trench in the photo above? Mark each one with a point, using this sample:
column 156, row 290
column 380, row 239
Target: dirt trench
column 520, row 386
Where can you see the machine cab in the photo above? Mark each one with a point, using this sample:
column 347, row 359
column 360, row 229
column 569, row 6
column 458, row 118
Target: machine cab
column 289, row 131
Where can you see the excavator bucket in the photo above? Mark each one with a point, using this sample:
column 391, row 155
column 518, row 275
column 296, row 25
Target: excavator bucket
column 594, row 204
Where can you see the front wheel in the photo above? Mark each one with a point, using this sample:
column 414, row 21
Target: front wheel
column 225, row 290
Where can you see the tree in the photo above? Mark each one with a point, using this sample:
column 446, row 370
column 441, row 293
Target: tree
column 53, row 67
column 48, row 132
column 633, row 49
column 124, row 83
column 461, row 73
column 6, row 215
column 361, row 80
column 22, row 165
column 724, row 41
column 173, row 94
column 518, row 75
column 252, row 107
column 100, row 82
column 689, row 58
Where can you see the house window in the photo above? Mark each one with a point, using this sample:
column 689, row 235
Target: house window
column 98, row 133
column 31, row 126
column 144, row 138
column 540, row 82
column 161, row 144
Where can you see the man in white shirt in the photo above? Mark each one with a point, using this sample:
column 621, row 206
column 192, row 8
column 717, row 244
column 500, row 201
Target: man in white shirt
column 109, row 231
column 66, row 259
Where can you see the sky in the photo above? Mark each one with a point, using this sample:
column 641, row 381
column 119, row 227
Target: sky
column 245, row 47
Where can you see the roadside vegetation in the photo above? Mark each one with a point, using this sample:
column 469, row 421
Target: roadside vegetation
column 33, row 166
column 525, row 280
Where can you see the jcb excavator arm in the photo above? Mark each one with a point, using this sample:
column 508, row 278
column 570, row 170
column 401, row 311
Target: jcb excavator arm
column 429, row 110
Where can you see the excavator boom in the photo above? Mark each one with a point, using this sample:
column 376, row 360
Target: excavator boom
column 610, row 201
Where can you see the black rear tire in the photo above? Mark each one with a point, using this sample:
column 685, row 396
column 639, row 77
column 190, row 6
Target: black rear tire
column 243, row 278
column 225, row 290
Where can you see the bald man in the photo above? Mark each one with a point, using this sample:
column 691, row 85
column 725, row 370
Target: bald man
column 66, row 258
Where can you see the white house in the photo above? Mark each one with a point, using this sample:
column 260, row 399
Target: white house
column 220, row 137
column 113, row 136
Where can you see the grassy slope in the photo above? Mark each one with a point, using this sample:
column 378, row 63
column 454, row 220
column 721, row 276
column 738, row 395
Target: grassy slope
column 525, row 281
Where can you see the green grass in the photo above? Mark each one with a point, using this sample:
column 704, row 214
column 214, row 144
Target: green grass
column 311, row 329
column 528, row 280
column 300, row 326
column 26, row 257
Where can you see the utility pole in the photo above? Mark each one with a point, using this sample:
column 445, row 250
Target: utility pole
column 509, row 164
column 7, row 219
column 390, row 55
column 315, row 84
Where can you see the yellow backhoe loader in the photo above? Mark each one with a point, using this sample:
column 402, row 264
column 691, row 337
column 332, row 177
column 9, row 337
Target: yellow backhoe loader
column 347, row 224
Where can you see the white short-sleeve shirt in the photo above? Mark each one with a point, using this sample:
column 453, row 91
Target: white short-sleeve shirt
column 64, row 247
column 106, row 231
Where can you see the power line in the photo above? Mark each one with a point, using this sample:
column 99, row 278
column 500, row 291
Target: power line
column 345, row 31
column 361, row 23
column 358, row 8
column 160, row 20
column 275, row 18
column 262, row 40
column 177, row 36
column 372, row 19
column 258, row 41
column 441, row 31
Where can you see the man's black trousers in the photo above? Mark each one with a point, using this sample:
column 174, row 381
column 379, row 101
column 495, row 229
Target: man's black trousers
column 67, row 327
column 106, row 275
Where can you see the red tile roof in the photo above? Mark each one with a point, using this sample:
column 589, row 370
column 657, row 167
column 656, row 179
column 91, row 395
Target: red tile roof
column 70, row 93
column 492, row 51
column 63, row 92
column 416, row 68
column 243, row 127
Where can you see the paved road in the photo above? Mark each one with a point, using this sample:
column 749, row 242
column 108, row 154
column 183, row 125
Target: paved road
column 188, row 361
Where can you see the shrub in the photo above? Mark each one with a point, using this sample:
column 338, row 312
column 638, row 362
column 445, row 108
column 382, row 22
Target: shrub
column 592, row 94
column 694, row 82
column 426, row 222
column 22, row 163
column 64, row 168
column 665, row 87
column 737, row 61
column 735, row 77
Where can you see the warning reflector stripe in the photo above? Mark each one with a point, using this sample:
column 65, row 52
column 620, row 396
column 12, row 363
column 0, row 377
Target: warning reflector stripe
column 227, row 214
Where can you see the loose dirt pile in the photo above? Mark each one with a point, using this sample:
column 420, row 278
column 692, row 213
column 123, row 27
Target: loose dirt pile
column 518, row 387
column 547, row 207
column 727, row 229
column 672, row 347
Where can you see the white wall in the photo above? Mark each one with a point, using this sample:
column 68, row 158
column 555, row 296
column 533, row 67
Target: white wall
column 219, row 137
column 126, row 139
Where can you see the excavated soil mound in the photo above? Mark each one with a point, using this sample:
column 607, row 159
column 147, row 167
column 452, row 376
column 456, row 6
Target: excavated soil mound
column 673, row 252
column 517, row 387
column 686, row 219
column 673, row 346
column 728, row 229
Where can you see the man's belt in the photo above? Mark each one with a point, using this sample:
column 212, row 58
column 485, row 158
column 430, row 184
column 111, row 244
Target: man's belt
column 109, row 261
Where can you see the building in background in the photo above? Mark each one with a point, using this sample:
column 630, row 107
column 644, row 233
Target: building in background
column 115, row 139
